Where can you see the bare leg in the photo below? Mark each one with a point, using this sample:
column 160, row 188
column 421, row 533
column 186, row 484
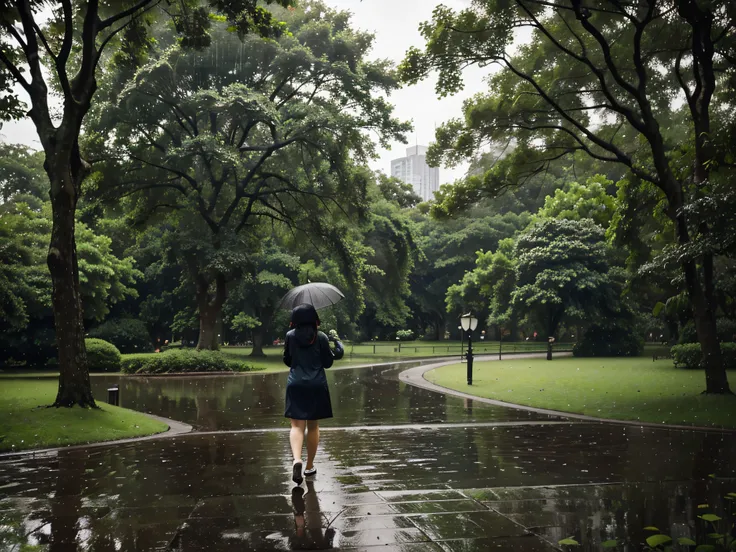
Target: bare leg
column 312, row 442
column 296, row 438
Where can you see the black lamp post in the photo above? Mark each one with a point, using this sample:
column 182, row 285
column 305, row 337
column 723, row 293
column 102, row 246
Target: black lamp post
column 468, row 323
column 500, row 341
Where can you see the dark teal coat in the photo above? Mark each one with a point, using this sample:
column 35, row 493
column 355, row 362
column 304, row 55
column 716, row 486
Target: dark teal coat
column 308, row 353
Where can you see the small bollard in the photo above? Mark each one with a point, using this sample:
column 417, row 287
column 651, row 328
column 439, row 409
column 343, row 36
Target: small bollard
column 113, row 396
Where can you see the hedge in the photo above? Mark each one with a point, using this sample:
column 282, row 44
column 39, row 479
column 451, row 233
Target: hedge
column 102, row 356
column 616, row 341
column 689, row 355
column 182, row 361
column 127, row 334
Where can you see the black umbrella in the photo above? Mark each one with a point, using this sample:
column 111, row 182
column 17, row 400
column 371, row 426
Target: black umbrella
column 317, row 294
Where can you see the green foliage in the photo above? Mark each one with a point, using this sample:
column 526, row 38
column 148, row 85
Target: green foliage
column 610, row 341
column 450, row 250
column 242, row 322
column 405, row 335
column 102, row 356
column 582, row 201
column 689, row 355
column 397, row 191
column 488, row 287
column 562, row 270
column 389, row 235
column 127, row 334
column 25, row 284
column 182, row 361
column 658, row 540
column 271, row 140
column 21, row 174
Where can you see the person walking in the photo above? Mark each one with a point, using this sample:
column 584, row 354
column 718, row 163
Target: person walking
column 307, row 353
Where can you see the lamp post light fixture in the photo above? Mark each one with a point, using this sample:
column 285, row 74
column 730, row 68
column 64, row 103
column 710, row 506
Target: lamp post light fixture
column 468, row 323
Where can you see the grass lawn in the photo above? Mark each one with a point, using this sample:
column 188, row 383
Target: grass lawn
column 618, row 388
column 25, row 425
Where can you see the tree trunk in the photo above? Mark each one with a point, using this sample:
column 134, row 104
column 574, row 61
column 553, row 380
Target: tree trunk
column 258, row 339
column 700, row 290
column 210, row 311
column 74, row 383
column 208, row 328
column 716, row 380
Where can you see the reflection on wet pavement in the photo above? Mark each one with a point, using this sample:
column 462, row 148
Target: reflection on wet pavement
column 448, row 475
column 366, row 396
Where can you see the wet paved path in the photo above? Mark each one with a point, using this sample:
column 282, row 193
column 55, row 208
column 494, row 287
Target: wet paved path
column 400, row 468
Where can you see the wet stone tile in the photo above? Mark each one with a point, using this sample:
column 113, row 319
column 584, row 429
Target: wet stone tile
column 372, row 522
column 398, row 547
column 224, row 506
column 518, row 544
column 232, row 540
column 466, row 525
column 437, row 507
column 330, row 499
column 409, row 496
column 381, row 537
column 152, row 514
column 361, row 510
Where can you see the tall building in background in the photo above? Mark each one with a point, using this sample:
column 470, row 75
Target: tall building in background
column 413, row 169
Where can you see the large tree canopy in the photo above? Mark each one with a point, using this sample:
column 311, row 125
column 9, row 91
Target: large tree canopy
column 61, row 44
column 246, row 133
column 624, row 83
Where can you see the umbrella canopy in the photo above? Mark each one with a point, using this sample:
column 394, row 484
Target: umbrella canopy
column 317, row 294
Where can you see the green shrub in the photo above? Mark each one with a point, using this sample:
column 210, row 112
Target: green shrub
column 726, row 328
column 183, row 360
column 102, row 356
column 127, row 334
column 405, row 335
column 689, row 355
column 617, row 341
column 688, row 334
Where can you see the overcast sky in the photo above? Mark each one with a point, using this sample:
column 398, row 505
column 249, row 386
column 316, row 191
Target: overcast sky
column 396, row 26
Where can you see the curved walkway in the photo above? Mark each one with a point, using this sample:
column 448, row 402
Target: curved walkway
column 415, row 376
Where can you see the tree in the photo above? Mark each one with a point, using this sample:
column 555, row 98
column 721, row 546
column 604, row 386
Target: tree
column 64, row 46
column 448, row 252
column 602, row 78
column 26, row 289
column 21, row 173
column 389, row 236
column 582, row 201
column 562, row 270
column 397, row 191
column 488, row 288
column 255, row 299
column 250, row 133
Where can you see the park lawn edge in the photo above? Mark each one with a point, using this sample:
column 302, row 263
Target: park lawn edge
column 27, row 424
column 678, row 400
